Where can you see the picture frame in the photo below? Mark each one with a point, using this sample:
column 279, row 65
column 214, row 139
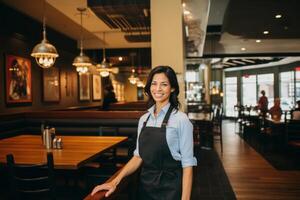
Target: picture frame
column 84, row 87
column 51, row 85
column 18, row 79
column 97, row 89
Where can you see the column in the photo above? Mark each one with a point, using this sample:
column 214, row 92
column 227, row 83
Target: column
column 167, row 42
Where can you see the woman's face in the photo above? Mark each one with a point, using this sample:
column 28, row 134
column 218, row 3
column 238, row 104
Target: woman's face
column 160, row 88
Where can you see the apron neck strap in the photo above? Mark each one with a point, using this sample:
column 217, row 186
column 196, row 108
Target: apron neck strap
column 166, row 119
column 167, row 116
column 145, row 122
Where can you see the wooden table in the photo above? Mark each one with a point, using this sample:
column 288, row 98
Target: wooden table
column 77, row 150
column 206, row 117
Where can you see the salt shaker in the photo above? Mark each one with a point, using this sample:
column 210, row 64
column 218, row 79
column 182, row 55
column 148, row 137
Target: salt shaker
column 54, row 143
column 59, row 144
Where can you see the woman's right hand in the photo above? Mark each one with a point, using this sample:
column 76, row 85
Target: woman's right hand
column 110, row 187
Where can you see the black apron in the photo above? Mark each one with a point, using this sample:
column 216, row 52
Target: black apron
column 161, row 175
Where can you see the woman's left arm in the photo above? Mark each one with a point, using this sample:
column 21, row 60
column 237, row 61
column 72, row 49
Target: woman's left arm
column 187, row 180
column 188, row 160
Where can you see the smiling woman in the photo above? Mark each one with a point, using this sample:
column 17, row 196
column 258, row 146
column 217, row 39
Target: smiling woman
column 164, row 149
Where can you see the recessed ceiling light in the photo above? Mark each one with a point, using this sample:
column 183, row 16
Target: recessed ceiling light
column 266, row 32
column 278, row 16
column 186, row 12
column 243, row 49
column 257, row 41
column 183, row 5
column 190, row 17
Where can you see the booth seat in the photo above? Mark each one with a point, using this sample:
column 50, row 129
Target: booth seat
column 89, row 123
column 11, row 124
column 129, row 106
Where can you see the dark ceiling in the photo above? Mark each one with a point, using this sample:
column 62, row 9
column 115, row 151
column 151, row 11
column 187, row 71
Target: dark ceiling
column 244, row 21
column 249, row 18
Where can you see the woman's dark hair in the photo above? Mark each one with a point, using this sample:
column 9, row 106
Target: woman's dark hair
column 170, row 73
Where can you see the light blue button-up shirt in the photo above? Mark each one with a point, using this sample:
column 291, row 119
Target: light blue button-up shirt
column 179, row 134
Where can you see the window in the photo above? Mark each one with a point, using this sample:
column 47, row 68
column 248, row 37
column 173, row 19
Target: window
column 192, row 76
column 266, row 82
column 297, row 85
column 194, row 86
column 286, row 90
column 230, row 95
column 249, row 93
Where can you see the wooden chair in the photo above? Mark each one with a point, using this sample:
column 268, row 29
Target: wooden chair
column 31, row 181
column 217, row 125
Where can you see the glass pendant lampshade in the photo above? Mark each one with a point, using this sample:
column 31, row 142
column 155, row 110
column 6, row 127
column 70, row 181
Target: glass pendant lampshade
column 140, row 83
column 103, row 67
column 132, row 78
column 44, row 53
column 82, row 62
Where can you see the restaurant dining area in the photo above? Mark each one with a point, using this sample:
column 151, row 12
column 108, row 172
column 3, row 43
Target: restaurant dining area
column 149, row 99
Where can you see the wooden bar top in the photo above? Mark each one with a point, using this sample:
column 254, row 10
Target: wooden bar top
column 77, row 150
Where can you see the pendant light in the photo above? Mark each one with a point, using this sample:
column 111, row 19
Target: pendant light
column 132, row 78
column 139, row 82
column 82, row 62
column 103, row 67
column 44, row 53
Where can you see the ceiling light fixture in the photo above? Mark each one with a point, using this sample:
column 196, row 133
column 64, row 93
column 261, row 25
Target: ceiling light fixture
column 243, row 49
column 278, row 16
column 82, row 62
column 103, row 67
column 140, row 84
column 132, row 79
column 202, row 66
column 186, row 12
column 44, row 53
column 266, row 32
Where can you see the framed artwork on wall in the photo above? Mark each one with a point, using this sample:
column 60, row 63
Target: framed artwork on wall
column 84, row 87
column 51, row 85
column 18, row 79
column 97, row 90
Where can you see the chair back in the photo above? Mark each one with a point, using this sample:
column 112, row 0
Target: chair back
column 31, row 181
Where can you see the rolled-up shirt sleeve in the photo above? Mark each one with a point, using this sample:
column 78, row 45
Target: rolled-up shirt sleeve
column 186, row 143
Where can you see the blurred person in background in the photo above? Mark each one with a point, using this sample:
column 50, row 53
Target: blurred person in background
column 276, row 111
